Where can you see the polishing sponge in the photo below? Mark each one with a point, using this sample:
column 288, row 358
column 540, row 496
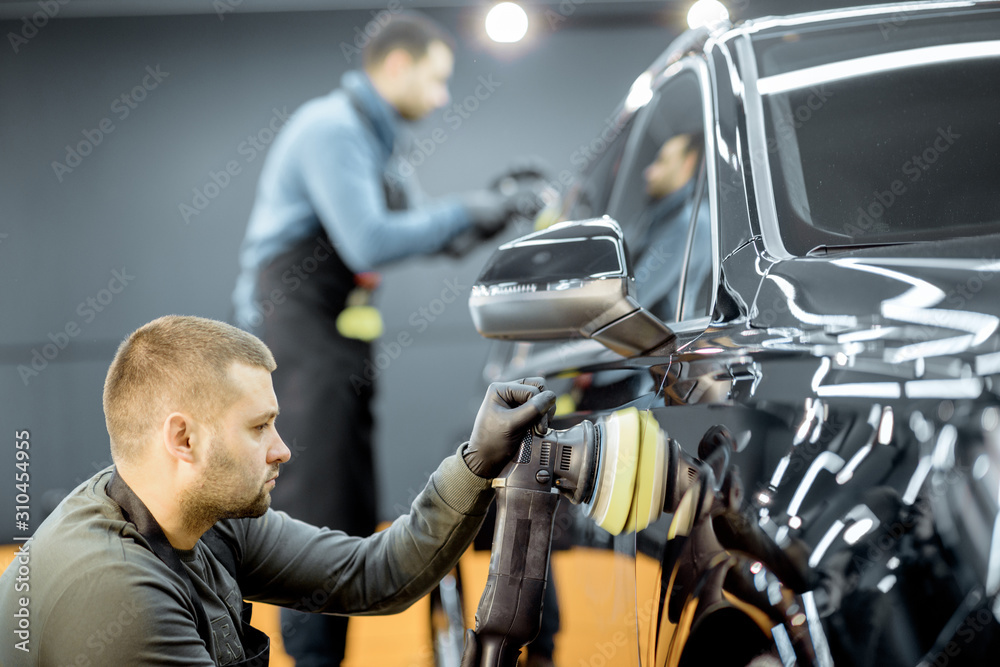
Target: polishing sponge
column 616, row 477
column 647, row 498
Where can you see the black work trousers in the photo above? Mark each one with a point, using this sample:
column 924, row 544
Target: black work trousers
column 326, row 421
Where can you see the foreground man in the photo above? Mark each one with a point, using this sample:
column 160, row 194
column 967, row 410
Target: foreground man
column 149, row 561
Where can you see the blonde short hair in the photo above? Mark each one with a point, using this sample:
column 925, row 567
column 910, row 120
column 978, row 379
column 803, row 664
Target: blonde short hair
column 173, row 363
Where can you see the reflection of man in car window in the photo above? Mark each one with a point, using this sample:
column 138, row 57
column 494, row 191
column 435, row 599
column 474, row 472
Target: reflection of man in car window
column 670, row 184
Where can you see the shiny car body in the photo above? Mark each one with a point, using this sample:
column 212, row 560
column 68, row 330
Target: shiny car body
column 845, row 332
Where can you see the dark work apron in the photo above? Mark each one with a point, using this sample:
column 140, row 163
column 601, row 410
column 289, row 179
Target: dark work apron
column 324, row 382
column 325, row 387
column 256, row 644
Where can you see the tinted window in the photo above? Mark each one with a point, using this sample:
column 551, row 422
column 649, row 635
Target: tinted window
column 898, row 156
column 589, row 198
column 698, row 287
column 883, row 130
column 541, row 261
column 654, row 200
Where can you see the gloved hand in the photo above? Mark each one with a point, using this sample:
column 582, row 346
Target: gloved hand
column 527, row 182
column 508, row 411
column 489, row 210
column 472, row 652
column 520, row 172
column 531, row 198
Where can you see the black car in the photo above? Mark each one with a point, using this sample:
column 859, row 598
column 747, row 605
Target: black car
column 828, row 293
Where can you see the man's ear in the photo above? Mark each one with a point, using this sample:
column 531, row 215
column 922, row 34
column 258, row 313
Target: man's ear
column 179, row 437
column 397, row 62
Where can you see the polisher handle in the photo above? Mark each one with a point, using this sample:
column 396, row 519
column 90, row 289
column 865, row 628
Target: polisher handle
column 510, row 610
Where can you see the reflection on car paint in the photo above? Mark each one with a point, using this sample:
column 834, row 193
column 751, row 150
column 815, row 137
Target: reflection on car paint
column 856, row 518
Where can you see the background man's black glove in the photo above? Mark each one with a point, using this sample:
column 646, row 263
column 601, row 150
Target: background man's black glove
column 528, row 185
column 508, row 411
column 488, row 210
column 521, row 171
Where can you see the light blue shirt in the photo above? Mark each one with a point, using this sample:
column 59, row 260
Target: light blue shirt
column 658, row 269
column 325, row 170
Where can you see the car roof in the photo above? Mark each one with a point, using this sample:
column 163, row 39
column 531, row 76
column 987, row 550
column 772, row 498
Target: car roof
column 851, row 15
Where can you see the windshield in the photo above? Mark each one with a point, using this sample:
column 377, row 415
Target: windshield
column 891, row 147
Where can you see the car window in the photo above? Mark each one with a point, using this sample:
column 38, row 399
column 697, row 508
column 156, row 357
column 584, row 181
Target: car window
column 589, row 199
column 888, row 146
column 697, row 283
column 654, row 200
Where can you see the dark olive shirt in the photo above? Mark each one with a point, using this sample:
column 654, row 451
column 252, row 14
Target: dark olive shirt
column 97, row 595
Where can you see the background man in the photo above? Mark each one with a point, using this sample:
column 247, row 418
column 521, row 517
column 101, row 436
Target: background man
column 670, row 184
column 337, row 199
column 148, row 562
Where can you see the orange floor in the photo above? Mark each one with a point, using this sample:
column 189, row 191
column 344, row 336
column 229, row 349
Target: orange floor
column 599, row 612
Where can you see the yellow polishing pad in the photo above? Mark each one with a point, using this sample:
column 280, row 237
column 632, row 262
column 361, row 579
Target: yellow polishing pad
column 360, row 322
column 647, row 498
column 613, row 497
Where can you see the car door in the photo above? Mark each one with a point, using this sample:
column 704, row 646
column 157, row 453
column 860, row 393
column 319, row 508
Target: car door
column 673, row 253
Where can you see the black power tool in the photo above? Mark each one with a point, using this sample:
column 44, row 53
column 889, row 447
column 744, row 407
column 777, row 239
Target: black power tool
column 622, row 470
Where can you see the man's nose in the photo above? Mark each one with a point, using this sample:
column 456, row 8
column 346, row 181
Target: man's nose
column 443, row 97
column 279, row 453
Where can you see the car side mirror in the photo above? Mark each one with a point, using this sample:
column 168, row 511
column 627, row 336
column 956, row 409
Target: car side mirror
column 571, row 280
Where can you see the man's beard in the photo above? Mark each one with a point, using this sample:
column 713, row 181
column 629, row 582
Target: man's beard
column 220, row 495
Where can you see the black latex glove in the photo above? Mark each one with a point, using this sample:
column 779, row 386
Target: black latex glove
column 529, row 199
column 527, row 184
column 519, row 172
column 488, row 210
column 471, row 654
column 508, row 411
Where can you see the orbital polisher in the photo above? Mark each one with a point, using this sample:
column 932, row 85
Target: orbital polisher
column 622, row 470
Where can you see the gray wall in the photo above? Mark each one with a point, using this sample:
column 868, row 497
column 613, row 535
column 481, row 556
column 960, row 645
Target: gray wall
column 63, row 235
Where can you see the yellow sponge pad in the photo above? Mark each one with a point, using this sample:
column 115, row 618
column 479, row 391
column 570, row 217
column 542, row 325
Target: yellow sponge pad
column 616, row 484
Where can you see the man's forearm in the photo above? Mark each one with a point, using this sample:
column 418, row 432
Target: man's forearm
column 294, row 564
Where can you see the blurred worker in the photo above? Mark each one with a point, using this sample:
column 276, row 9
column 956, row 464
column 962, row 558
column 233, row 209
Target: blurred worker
column 150, row 560
column 670, row 184
column 337, row 199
